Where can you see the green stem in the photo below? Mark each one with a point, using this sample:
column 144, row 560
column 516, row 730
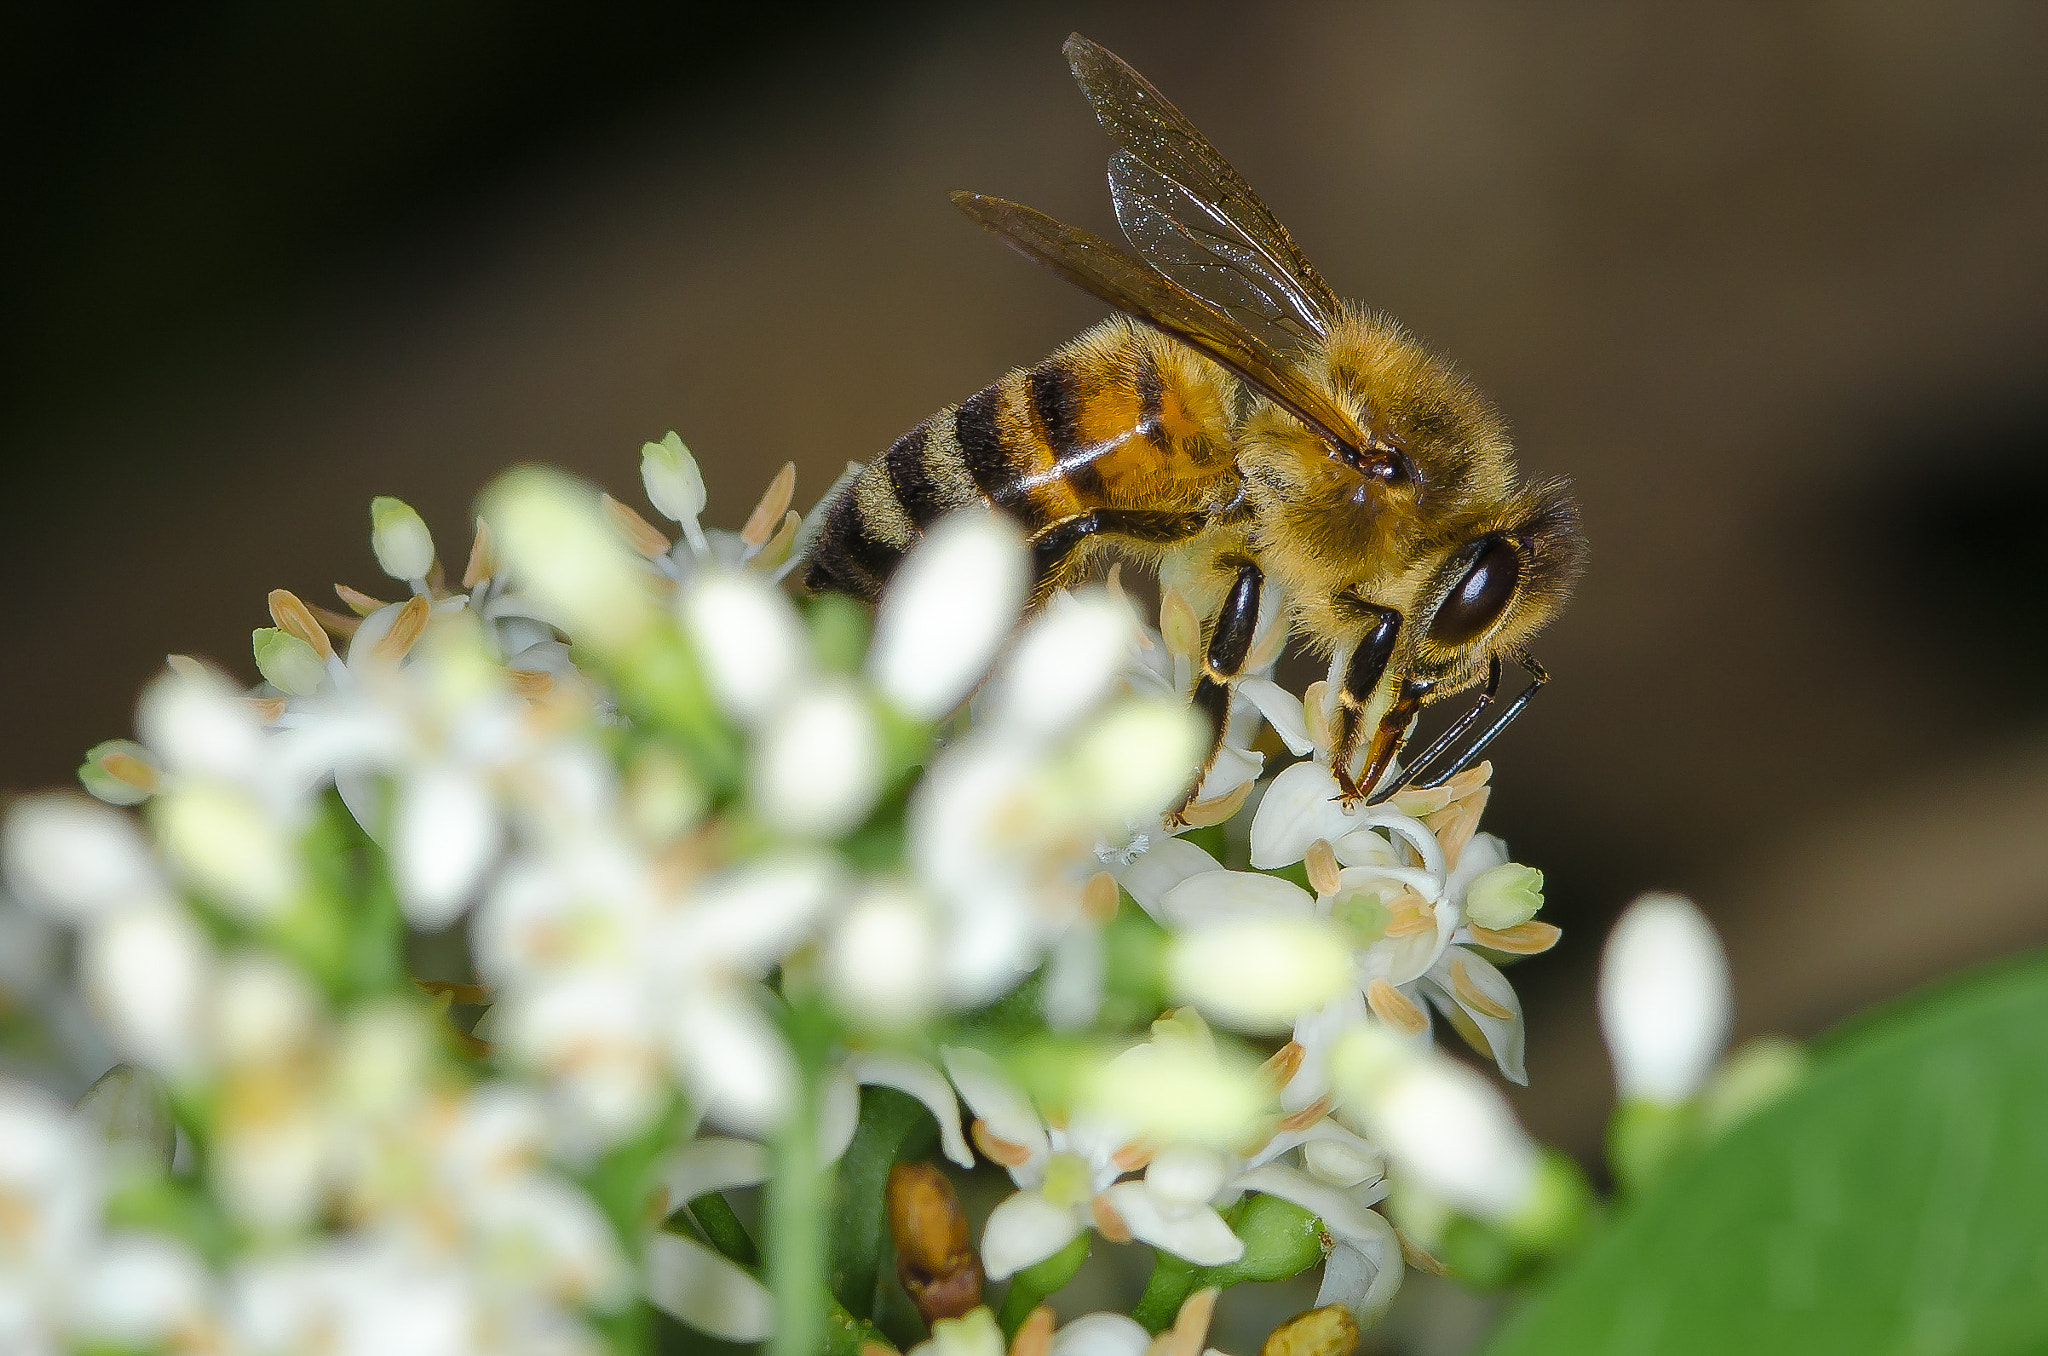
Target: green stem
column 892, row 1126
column 1029, row 1287
column 1172, row 1280
column 722, row 1228
column 799, row 1195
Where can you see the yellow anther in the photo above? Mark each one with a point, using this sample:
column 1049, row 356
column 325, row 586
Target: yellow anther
column 360, row 603
column 768, row 513
column 640, row 534
column 1323, row 871
column 1099, row 897
column 1216, row 809
column 406, row 629
column 483, row 557
column 1523, row 939
column 1395, row 1008
column 778, row 548
column 295, row 619
column 1474, row 997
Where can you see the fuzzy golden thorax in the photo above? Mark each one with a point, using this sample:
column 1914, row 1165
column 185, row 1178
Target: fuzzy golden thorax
column 1343, row 544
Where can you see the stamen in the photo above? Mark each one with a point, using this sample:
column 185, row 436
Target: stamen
column 437, row 579
column 1410, row 915
column 1455, row 824
column 1178, row 625
column 640, row 534
column 406, row 629
column 1473, row 996
column 1523, row 939
column 1099, row 897
column 1216, row 809
column 1267, row 651
column 774, row 503
column 778, row 547
column 1279, row 1071
column 267, row 709
column 1108, row 1222
column 532, row 684
column 294, row 618
column 339, row 624
column 1190, row 1328
column 1313, row 714
column 1395, row 1008
column 483, row 557
column 1310, row 1114
column 1419, row 1258
column 129, row 770
column 360, row 603
column 997, row 1149
column 1034, row 1338
column 1323, row 871
column 1134, row 1155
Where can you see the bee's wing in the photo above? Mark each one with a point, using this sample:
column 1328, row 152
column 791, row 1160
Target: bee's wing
column 1191, row 215
column 1134, row 287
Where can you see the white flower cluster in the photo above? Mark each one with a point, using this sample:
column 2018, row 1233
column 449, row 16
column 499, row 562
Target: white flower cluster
column 671, row 809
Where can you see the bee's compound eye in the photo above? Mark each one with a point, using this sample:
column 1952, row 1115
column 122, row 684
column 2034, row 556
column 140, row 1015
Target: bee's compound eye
column 1476, row 603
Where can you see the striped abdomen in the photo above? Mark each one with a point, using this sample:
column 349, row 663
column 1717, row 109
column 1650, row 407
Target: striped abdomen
column 1120, row 418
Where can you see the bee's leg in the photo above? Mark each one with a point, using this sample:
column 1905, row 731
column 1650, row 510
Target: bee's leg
column 1362, row 675
column 1230, row 642
column 1055, row 547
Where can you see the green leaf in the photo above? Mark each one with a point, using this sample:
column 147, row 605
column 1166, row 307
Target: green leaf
column 892, row 1126
column 1893, row 1202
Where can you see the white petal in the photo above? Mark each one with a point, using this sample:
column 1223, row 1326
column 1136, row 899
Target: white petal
column 1227, row 896
column 75, row 857
column 229, row 846
column 713, row 1163
column 1184, row 1175
column 137, row 1291
column 838, row 1114
column 748, row 638
column 927, row 1085
column 447, row 831
column 1133, row 760
column 1023, row 1230
column 1259, row 973
column 1299, row 807
column 953, row 601
column 145, row 971
column 1439, row 1120
column 996, row 1100
column 1199, row 1234
column 1505, row 1036
column 736, row 1061
column 749, row 919
column 1664, row 998
column 1363, row 1279
column 818, row 764
column 882, row 960
column 1282, row 710
column 1163, row 865
column 707, row 1291
column 1102, row 1335
column 1064, row 662
column 1072, row 994
column 1340, row 1210
column 571, row 562
column 199, row 725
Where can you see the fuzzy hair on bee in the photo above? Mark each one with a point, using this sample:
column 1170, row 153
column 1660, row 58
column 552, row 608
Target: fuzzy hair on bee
column 1272, row 450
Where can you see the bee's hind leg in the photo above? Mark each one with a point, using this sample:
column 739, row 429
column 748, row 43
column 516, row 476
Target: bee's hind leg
column 1056, row 547
column 1230, row 643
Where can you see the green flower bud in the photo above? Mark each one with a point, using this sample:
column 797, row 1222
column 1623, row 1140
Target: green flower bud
column 1504, row 896
column 287, row 663
column 404, row 547
column 673, row 483
column 1281, row 1239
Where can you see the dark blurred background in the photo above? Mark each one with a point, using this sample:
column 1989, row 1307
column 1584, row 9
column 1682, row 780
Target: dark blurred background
column 1769, row 281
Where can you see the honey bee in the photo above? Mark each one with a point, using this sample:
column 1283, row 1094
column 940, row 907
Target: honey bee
column 1255, row 438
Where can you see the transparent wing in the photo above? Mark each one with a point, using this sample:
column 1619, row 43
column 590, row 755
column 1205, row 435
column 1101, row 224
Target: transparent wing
column 1137, row 289
column 1189, row 213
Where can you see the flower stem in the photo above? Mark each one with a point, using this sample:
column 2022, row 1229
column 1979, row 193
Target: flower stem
column 1031, row 1285
column 1172, row 1280
column 799, row 1195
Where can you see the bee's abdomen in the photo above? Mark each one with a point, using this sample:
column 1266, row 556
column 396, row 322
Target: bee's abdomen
column 1085, row 428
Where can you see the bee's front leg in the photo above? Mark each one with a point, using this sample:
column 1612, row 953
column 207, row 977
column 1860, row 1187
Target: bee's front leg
column 1363, row 673
column 1230, row 643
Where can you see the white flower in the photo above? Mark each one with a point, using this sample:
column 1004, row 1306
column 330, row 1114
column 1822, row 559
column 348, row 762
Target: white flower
column 1438, row 1120
column 749, row 638
column 74, row 858
column 818, row 763
column 146, row 972
column 1664, row 998
column 950, row 605
column 1067, row 1175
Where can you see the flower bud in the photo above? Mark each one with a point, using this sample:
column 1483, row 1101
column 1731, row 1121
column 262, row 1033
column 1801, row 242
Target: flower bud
column 1664, row 998
column 882, row 963
column 748, row 638
column 145, row 972
column 818, row 767
column 555, row 539
column 1504, row 896
column 404, row 547
column 949, row 608
column 1132, row 762
column 287, row 663
column 673, row 483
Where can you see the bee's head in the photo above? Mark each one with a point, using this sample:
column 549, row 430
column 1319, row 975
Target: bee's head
column 1472, row 602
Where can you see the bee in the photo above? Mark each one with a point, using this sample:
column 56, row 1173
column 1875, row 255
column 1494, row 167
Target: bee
column 1259, row 441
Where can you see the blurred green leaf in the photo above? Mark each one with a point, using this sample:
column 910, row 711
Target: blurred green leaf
column 1893, row 1202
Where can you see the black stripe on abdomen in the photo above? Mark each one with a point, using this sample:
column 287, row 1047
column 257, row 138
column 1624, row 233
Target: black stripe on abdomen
column 916, row 491
column 991, row 464
column 1052, row 404
column 848, row 558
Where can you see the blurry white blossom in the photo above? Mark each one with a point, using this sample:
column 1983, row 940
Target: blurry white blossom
column 1664, row 998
